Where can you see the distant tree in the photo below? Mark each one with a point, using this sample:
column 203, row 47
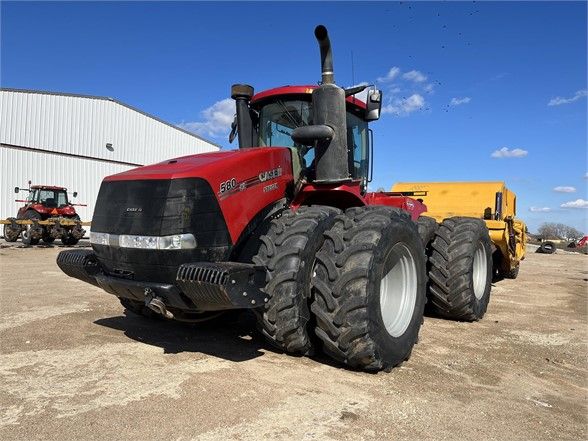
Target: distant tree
column 552, row 230
column 548, row 230
column 571, row 233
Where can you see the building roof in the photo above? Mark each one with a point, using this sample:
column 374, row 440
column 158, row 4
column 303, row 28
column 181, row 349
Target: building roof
column 105, row 98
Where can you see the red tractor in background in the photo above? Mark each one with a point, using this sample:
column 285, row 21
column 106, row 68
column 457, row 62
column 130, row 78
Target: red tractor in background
column 45, row 202
column 285, row 226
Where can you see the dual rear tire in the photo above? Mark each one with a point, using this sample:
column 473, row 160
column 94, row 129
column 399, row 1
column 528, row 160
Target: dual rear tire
column 288, row 251
column 460, row 269
column 369, row 288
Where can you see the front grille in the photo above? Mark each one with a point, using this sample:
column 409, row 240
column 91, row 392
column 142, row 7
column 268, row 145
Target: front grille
column 160, row 207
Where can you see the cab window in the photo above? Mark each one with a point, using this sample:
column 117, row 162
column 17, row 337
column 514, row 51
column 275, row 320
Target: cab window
column 55, row 197
column 357, row 143
column 278, row 120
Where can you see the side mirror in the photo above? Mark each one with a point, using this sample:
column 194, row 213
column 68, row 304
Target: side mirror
column 16, row 189
column 373, row 105
column 75, row 194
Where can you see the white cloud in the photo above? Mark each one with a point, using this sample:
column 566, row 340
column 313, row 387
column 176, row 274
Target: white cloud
column 404, row 91
column 405, row 106
column 586, row 175
column 391, row 75
column 558, row 100
column 562, row 189
column 504, row 152
column 578, row 203
column 458, row 101
column 415, row 75
column 216, row 120
column 429, row 87
column 539, row 209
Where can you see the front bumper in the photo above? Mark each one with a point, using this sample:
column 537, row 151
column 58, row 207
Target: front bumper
column 199, row 286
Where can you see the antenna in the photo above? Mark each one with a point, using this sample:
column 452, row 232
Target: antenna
column 352, row 74
column 352, row 70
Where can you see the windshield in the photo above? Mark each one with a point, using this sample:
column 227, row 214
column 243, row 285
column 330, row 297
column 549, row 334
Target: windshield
column 278, row 119
column 51, row 197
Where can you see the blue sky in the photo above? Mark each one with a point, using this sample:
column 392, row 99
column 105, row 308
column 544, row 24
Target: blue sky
column 462, row 80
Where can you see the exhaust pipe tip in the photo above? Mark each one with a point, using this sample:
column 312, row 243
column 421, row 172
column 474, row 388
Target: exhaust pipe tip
column 320, row 32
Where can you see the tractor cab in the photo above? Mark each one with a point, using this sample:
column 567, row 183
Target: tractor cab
column 280, row 111
column 46, row 200
column 50, row 197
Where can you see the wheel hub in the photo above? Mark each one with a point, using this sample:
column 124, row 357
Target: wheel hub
column 398, row 292
column 480, row 271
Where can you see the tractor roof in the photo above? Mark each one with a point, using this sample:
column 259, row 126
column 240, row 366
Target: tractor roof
column 297, row 90
column 47, row 187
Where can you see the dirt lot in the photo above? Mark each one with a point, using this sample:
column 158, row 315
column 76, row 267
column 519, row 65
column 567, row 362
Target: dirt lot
column 72, row 366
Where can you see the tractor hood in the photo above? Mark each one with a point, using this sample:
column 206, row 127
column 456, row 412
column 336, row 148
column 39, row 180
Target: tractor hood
column 187, row 166
column 243, row 182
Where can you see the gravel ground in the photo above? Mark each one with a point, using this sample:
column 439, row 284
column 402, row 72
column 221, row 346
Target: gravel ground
column 73, row 366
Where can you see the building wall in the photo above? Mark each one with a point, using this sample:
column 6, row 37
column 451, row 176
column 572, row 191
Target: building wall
column 60, row 139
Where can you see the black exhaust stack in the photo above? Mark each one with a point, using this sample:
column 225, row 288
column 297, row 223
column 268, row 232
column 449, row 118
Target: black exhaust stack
column 242, row 94
column 329, row 132
column 320, row 32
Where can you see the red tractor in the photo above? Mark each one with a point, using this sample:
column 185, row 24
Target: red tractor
column 285, row 226
column 45, row 202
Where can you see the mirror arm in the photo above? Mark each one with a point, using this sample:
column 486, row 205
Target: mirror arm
column 309, row 135
column 370, row 155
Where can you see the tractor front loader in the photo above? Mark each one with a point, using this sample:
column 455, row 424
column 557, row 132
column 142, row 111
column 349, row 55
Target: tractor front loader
column 285, row 226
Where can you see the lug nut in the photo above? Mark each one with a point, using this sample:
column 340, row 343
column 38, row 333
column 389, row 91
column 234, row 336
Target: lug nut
column 253, row 302
column 244, row 294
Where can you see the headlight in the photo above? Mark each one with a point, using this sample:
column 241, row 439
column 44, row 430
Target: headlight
column 175, row 242
column 143, row 242
column 99, row 238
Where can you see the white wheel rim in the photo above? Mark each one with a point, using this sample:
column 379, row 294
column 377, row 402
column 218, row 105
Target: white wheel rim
column 480, row 271
column 398, row 293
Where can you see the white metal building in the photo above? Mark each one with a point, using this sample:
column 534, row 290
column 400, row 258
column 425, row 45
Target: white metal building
column 74, row 141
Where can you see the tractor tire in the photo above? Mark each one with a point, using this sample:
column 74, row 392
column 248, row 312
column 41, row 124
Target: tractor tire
column 427, row 227
column 460, row 269
column 69, row 241
column 369, row 288
column 48, row 239
column 25, row 234
column 10, row 235
column 288, row 251
column 376, row 209
column 546, row 248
